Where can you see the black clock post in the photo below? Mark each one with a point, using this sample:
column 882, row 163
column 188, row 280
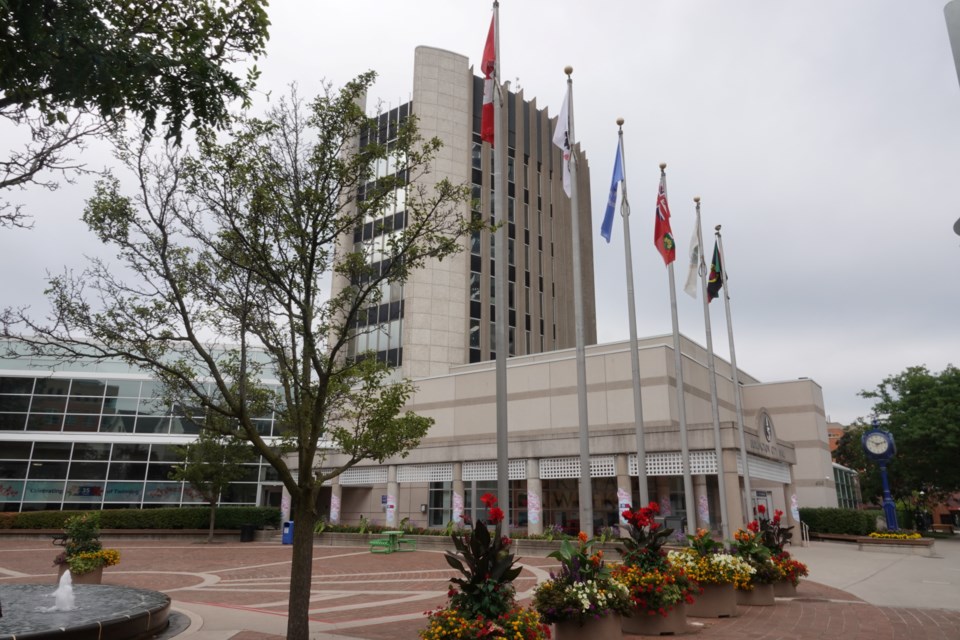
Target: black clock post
column 879, row 447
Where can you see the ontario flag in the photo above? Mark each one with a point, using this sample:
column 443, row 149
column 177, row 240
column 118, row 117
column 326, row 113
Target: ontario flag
column 662, row 235
column 488, row 65
column 715, row 283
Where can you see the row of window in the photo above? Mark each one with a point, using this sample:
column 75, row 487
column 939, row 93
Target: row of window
column 19, row 495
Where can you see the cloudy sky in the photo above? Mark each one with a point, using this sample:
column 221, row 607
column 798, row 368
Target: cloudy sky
column 824, row 136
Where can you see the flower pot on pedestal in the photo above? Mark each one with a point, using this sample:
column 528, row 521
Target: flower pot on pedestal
column 784, row 589
column 608, row 626
column 716, row 601
column 760, row 596
column 643, row 624
column 90, row 577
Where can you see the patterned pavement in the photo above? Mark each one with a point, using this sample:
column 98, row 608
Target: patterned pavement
column 234, row 591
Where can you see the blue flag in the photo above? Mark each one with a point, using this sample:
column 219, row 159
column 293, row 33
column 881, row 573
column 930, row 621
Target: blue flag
column 606, row 227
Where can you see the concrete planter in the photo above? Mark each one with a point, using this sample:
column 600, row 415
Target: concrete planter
column 594, row 629
column 921, row 547
column 784, row 589
column 91, row 577
column 760, row 596
column 646, row 625
column 716, row 601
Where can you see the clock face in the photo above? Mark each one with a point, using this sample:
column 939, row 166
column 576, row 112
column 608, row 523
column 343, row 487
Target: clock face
column 877, row 444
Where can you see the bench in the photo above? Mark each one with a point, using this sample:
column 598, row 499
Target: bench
column 406, row 541
column 381, row 545
column 59, row 539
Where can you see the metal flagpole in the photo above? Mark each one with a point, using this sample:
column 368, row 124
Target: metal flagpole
column 634, row 354
column 500, row 277
column 681, row 402
column 748, row 513
column 711, row 365
column 586, row 488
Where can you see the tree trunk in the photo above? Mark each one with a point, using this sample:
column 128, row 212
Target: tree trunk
column 301, row 571
column 213, row 517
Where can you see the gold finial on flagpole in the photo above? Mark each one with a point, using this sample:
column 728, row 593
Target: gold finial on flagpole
column 717, row 228
column 619, row 122
column 663, row 165
column 568, row 70
column 696, row 199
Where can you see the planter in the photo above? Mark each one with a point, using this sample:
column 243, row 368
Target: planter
column 91, row 577
column 646, row 625
column 593, row 629
column 784, row 589
column 716, row 601
column 760, row 596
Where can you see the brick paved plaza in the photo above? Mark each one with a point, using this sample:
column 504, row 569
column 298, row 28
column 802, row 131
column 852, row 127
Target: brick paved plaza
column 239, row 591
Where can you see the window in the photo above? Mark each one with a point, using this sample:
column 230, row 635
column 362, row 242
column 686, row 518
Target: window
column 439, row 511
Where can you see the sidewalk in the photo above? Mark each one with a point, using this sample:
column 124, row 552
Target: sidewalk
column 233, row 591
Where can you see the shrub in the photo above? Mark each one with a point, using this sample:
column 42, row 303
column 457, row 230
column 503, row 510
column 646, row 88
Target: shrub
column 169, row 518
column 847, row 521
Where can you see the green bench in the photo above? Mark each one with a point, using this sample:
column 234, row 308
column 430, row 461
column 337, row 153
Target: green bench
column 381, row 545
column 406, row 541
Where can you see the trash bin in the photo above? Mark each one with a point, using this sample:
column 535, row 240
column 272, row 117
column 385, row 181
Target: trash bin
column 288, row 532
column 246, row 532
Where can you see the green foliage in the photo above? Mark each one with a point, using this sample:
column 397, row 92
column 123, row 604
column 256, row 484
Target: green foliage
column 847, row 521
column 83, row 533
column 488, row 571
column 922, row 411
column 643, row 544
column 176, row 60
column 172, row 518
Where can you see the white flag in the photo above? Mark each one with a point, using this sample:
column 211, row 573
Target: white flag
column 692, row 284
column 561, row 138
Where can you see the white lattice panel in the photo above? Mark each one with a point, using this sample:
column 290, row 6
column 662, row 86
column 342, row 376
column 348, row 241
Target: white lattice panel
column 425, row 473
column 765, row 469
column 557, row 468
column 602, row 467
column 359, row 476
column 664, row 464
column 633, row 468
column 703, row 463
column 486, row 470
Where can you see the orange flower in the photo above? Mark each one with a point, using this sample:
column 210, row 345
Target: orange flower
column 582, row 537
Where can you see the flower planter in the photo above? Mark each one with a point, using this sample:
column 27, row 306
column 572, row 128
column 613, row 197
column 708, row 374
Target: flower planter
column 784, row 589
column 646, row 625
column 91, row 577
column 716, row 601
column 760, row 596
column 609, row 626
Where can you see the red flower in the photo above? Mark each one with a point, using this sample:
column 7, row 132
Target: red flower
column 761, row 509
column 754, row 526
column 496, row 515
column 489, row 500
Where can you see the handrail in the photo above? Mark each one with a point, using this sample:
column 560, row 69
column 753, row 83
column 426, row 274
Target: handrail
column 804, row 534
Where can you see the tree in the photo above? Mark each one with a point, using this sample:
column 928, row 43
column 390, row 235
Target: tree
column 922, row 411
column 71, row 70
column 226, row 254
column 210, row 464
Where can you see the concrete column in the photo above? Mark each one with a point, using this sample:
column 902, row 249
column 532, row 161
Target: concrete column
column 458, row 492
column 393, row 490
column 624, row 486
column 336, row 493
column 734, row 492
column 702, row 500
column 534, row 497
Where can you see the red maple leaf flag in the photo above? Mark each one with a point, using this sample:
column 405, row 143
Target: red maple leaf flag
column 662, row 235
column 488, row 66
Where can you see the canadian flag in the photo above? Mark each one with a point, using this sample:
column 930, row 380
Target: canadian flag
column 488, row 65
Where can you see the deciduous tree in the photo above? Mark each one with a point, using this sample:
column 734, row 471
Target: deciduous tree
column 227, row 254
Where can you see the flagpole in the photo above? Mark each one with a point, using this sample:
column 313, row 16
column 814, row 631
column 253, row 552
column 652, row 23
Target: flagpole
column 500, row 277
column 681, row 402
column 634, row 348
column 748, row 515
column 586, row 488
column 711, row 365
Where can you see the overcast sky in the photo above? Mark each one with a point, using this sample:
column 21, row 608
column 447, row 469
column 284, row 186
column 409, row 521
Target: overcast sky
column 824, row 136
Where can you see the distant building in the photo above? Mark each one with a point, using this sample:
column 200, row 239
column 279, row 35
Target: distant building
column 835, row 431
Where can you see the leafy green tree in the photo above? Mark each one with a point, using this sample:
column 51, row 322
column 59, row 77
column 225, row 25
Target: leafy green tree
column 922, row 411
column 226, row 257
column 70, row 69
column 210, row 464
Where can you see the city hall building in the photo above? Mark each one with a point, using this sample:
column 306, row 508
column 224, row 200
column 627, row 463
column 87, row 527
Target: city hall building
column 96, row 436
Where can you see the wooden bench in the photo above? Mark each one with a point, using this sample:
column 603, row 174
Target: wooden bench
column 942, row 528
column 381, row 545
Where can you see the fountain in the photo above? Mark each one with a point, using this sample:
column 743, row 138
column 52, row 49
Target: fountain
column 64, row 595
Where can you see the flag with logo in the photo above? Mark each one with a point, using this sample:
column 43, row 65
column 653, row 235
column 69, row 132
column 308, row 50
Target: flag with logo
column 662, row 235
column 606, row 227
column 715, row 283
column 488, row 66
column 692, row 275
column 561, row 138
